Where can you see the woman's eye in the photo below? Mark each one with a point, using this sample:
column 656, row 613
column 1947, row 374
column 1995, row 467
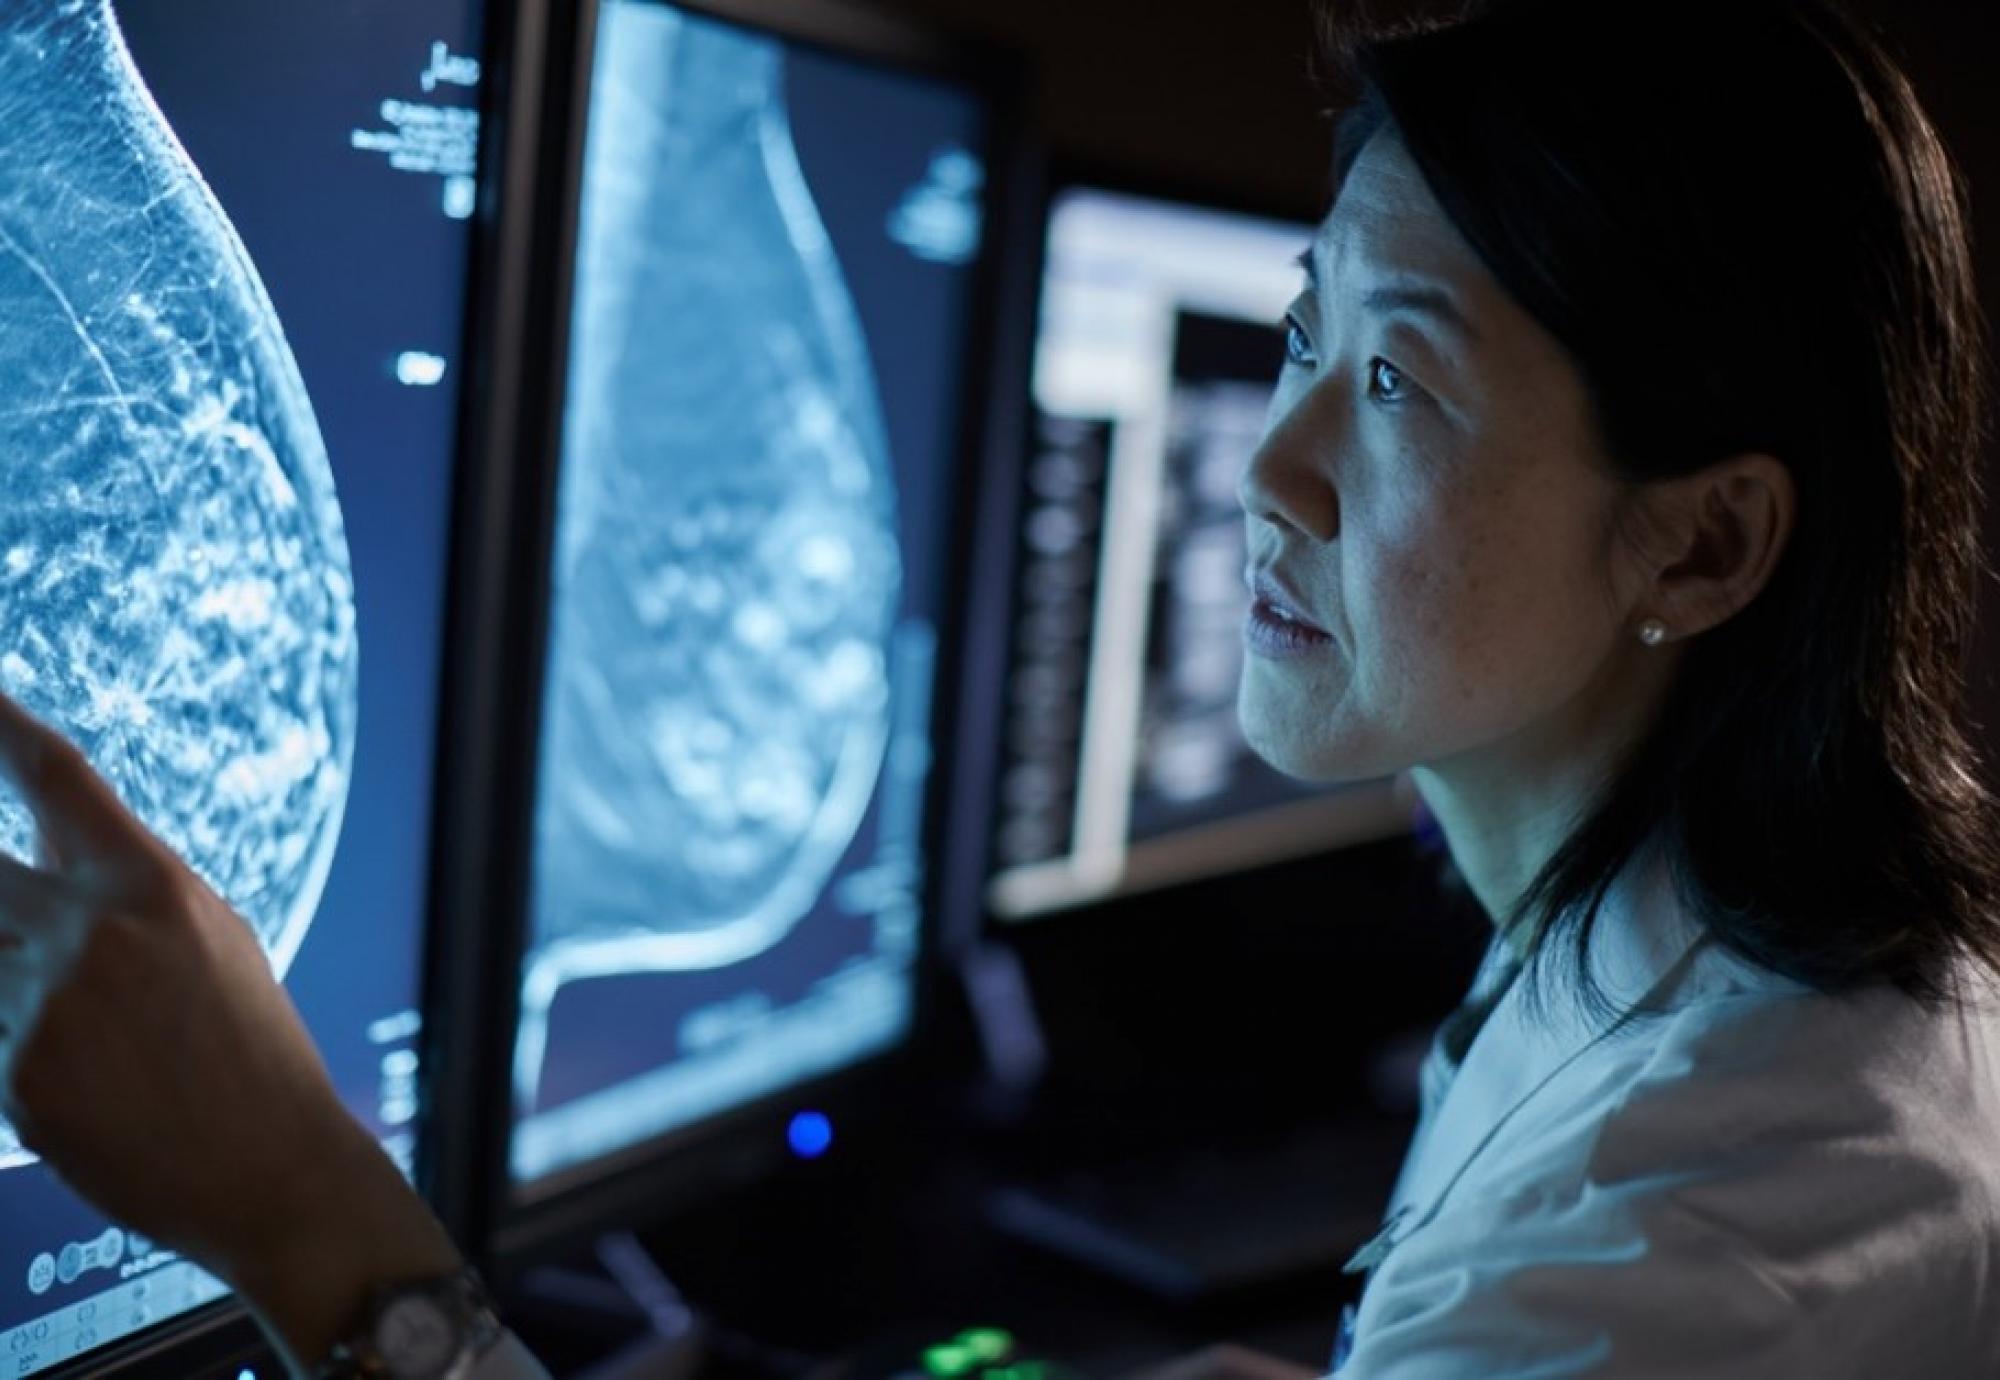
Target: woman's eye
column 1387, row 383
column 1298, row 346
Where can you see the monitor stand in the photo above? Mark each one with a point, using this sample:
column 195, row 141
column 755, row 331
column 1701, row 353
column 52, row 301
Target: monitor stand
column 625, row 1315
column 1198, row 1225
column 1215, row 1214
column 652, row 1359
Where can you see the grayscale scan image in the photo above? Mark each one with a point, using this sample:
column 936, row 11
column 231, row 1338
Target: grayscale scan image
column 175, row 591
column 727, row 569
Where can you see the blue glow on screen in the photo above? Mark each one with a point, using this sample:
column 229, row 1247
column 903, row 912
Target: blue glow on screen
column 230, row 221
column 760, row 435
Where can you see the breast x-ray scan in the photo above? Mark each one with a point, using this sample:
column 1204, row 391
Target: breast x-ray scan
column 174, row 576
column 232, row 258
column 770, row 286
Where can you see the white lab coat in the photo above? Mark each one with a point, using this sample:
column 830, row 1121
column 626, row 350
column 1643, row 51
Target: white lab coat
column 1762, row 1182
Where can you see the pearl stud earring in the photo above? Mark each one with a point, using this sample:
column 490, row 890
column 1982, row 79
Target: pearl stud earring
column 1652, row 632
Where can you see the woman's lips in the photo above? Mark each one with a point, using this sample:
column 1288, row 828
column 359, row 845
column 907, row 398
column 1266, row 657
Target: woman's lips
column 1270, row 633
column 1268, row 588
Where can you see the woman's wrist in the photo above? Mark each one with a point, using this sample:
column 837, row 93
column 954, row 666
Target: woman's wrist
column 353, row 1227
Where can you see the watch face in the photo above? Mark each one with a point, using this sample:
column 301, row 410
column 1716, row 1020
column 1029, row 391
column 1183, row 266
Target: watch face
column 416, row 1337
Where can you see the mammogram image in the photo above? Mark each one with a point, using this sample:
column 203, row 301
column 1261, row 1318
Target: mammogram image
column 727, row 573
column 175, row 592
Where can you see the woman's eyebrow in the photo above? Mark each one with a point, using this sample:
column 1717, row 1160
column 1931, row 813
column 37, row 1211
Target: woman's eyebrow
column 1403, row 297
column 1425, row 300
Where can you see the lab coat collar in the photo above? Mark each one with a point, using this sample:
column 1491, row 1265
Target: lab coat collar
column 1641, row 949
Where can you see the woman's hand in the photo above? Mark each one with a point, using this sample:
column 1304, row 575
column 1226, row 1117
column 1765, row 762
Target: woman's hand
column 149, row 1055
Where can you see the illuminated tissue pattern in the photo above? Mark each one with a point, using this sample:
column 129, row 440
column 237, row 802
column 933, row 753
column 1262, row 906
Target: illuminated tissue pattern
column 727, row 572
column 175, row 592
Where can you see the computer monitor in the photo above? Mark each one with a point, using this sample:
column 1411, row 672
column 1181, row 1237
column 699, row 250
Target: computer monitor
column 773, row 319
column 1123, row 768
column 234, row 275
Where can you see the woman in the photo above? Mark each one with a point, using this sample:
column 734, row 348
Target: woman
column 1619, row 484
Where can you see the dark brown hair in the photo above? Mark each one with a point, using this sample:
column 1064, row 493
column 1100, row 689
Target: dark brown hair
column 1737, row 219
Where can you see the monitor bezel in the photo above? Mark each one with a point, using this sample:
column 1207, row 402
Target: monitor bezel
column 1380, row 800
column 652, row 1179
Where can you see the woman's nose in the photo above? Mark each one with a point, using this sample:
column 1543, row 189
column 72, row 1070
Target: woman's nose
column 1286, row 482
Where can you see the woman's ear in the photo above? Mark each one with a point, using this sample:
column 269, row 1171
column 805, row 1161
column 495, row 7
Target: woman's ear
column 1721, row 533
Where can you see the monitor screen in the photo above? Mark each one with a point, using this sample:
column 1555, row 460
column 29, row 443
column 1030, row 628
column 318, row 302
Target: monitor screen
column 1123, row 768
column 232, row 276
column 772, row 297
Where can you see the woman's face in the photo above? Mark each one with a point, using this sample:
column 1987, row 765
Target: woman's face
column 1432, row 491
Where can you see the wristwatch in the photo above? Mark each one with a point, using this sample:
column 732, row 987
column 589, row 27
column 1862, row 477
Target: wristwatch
column 434, row 1329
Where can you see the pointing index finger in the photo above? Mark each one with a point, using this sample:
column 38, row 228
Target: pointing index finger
column 75, row 809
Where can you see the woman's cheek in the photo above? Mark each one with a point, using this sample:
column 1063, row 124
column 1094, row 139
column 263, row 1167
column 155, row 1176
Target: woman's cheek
column 1403, row 545
column 1390, row 590
column 1421, row 593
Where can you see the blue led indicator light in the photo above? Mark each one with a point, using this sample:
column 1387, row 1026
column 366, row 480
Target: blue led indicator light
column 811, row 1135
